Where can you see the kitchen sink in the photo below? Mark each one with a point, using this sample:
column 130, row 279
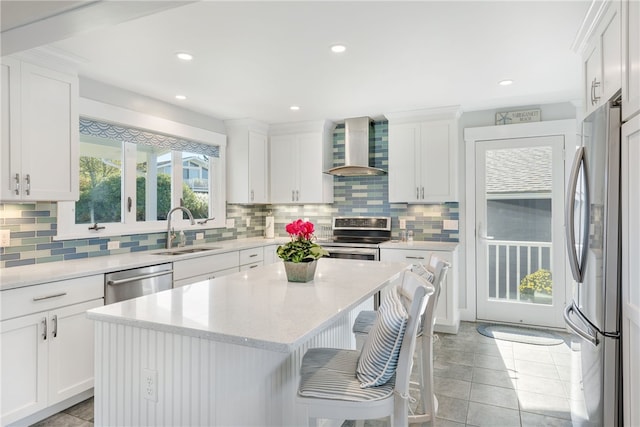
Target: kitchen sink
column 186, row 251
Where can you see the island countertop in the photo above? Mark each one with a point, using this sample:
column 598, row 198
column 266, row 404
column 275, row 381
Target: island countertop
column 259, row 307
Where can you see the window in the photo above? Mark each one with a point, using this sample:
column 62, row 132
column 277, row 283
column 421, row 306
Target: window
column 131, row 177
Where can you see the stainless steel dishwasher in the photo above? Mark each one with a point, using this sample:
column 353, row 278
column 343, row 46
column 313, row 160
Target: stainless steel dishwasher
column 127, row 284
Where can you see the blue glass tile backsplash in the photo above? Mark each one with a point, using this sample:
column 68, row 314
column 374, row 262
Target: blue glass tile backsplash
column 33, row 225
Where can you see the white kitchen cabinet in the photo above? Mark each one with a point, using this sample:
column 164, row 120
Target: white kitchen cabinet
column 602, row 60
column 447, row 311
column 47, row 344
column 423, row 156
column 270, row 256
column 299, row 154
column 251, row 258
column 248, row 162
column 631, row 271
column 40, row 133
column 630, row 58
column 207, row 267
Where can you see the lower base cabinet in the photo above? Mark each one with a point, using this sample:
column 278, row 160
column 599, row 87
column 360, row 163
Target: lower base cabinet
column 447, row 311
column 47, row 356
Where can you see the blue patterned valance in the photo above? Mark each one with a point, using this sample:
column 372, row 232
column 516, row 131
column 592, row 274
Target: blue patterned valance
column 138, row 136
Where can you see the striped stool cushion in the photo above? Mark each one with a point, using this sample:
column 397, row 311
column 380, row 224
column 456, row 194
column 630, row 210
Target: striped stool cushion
column 379, row 357
column 329, row 373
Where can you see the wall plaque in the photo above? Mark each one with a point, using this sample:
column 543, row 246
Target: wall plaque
column 511, row 117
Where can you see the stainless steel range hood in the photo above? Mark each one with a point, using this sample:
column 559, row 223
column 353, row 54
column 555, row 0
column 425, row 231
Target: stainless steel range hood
column 356, row 150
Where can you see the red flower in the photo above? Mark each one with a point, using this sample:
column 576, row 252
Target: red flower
column 301, row 229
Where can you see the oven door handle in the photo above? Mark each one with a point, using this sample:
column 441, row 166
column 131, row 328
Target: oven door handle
column 355, row 251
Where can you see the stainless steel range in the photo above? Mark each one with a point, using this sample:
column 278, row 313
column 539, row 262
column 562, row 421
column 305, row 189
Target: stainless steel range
column 357, row 237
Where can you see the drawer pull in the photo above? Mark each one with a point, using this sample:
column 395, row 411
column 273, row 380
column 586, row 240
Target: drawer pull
column 253, row 255
column 254, row 266
column 55, row 325
column 414, row 257
column 61, row 294
column 44, row 329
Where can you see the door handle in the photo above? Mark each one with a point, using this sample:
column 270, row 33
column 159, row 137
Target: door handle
column 574, row 258
column 483, row 236
column 586, row 335
column 28, row 184
column 54, row 320
column 44, row 329
column 17, row 178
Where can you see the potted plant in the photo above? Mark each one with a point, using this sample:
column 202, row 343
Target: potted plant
column 537, row 286
column 300, row 254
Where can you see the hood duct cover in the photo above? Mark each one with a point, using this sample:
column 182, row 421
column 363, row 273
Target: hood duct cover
column 356, row 150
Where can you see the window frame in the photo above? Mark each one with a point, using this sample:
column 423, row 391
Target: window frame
column 68, row 229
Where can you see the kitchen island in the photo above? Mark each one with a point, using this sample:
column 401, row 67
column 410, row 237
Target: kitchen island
column 226, row 351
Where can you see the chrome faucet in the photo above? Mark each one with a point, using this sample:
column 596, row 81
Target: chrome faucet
column 170, row 233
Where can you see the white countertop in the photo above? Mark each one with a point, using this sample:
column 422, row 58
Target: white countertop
column 16, row 277
column 420, row 245
column 257, row 308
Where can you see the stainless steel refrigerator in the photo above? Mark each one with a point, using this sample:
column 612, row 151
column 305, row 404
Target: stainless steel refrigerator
column 593, row 244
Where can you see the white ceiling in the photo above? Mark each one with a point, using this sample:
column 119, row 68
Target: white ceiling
column 255, row 59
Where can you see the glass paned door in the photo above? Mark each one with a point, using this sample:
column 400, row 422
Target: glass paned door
column 520, row 239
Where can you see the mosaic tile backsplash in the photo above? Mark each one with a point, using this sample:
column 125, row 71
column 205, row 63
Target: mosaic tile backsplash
column 33, row 225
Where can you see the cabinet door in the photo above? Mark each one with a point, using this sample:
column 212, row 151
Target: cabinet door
column 283, row 169
column 49, row 142
column 258, row 160
column 404, row 143
column 611, row 53
column 309, row 168
column 23, row 367
column 71, row 369
column 10, row 154
column 593, row 77
column 438, row 163
column 631, row 58
column 631, row 271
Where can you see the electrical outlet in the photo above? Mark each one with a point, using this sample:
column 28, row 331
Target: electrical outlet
column 248, row 220
column 5, row 238
column 150, row 384
column 449, row 224
column 199, row 236
column 115, row 244
column 231, row 223
column 403, row 224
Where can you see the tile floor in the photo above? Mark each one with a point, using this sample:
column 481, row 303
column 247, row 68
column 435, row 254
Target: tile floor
column 479, row 381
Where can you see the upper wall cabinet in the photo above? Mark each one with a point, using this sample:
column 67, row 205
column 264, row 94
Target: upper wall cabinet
column 423, row 147
column 630, row 58
column 600, row 44
column 299, row 154
column 247, row 162
column 39, row 133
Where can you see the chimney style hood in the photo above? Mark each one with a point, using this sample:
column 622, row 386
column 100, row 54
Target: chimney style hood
column 356, row 150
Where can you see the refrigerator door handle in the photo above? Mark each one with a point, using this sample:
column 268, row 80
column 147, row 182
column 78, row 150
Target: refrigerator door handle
column 574, row 261
column 588, row 335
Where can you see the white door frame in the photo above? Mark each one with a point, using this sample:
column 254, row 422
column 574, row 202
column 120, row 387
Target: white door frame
column 567, row 128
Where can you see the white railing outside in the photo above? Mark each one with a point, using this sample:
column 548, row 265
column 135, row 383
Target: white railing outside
column 529, row 265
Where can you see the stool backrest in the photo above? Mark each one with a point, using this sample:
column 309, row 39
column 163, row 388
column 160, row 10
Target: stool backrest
column 416, row 293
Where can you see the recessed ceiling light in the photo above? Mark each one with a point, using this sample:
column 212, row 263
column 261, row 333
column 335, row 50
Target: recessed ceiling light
column 338, row 48
column 184, row 56
column 294, row 108
column 505, row 82
column 181, row 97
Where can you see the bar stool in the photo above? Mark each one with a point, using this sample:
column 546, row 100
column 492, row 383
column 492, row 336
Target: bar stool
column 434, row 272
column 331, row 380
